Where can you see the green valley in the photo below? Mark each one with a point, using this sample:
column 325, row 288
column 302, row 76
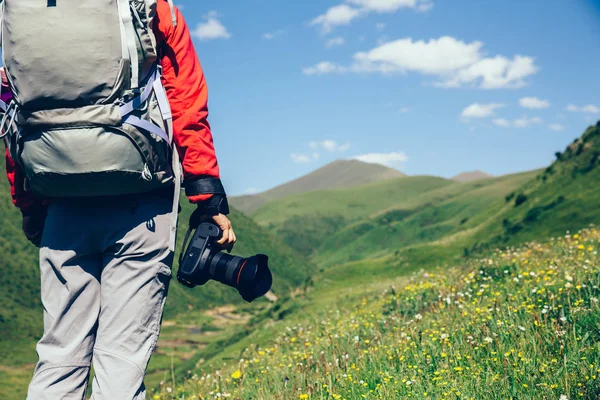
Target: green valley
column 349, row 260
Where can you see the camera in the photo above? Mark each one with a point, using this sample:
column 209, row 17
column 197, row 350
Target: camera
column 203, row 261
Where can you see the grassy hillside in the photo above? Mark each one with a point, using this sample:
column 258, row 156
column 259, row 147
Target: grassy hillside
column 338, row 174
column 366, row 238
column 412, row 215
column 521, row 323
column 426, row 218
column 564, row 196
column 21, row 310
column 348, row 224
column 304, row 221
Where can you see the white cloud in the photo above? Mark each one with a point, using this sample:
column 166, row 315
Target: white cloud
column 252, row 190
column 437, row 56
column 341, row 14
column 501, row 122
column 384, row 6
column 588, row 109
column 300, row 158
column 336, row 41
column 380, row 26
column 425, row 6
column 556, row 127
column 212, row 28
column 273, row 35
column 404, row 110
column 393, row 159
column 330, row 146
column 323, row 68
column 494, row 73
column 453, row 62
column 345, row 13
column 478, row 110
column 524, row 122
column 533, row 103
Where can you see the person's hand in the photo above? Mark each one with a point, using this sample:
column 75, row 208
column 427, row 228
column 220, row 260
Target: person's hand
column 220, row 219
column 228, row 239
column 33, row 224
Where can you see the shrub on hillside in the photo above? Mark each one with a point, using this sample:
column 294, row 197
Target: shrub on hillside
column 509, row 197
column 521, row 198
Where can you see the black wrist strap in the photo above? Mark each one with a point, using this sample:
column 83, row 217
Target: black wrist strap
column 206, row 185
column 217, row 204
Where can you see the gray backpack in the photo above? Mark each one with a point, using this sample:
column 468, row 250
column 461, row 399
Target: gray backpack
column 90, row 116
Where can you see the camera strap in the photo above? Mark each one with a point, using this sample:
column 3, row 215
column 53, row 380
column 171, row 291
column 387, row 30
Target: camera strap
column 185, row 243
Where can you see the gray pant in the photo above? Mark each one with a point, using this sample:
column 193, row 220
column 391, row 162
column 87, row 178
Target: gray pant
column 105, row 272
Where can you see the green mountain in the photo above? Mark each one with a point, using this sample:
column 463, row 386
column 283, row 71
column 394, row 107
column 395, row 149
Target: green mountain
column 363, row 238
column 564, row 196
column 368, row 240
column 471, row 176
column 360, row 222
column 407, row 215
column 338, row 174
column 304, row 221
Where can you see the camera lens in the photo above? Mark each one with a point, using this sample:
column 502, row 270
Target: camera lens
column 250, row 276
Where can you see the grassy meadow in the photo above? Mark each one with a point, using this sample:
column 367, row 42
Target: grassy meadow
column 520, row 323
column 418, row 287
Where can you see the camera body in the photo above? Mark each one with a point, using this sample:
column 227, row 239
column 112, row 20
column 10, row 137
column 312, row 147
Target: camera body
column 203, row 260
column 197, row 254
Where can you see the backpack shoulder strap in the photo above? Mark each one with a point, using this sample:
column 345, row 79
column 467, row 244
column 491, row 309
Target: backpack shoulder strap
column 173, row 13
column 128, row 40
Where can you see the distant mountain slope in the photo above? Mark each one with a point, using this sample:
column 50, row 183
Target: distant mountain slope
column 471, row 176
column 338, row 174
column 305, row 220
column 431, row 216
column 564, row 196
column 447, row 223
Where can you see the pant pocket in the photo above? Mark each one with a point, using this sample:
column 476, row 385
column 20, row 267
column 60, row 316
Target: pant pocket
column 156, row 298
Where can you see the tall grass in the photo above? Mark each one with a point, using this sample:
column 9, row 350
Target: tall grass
column 522, row 323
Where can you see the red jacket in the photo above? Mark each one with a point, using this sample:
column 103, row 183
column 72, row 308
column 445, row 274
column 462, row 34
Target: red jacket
column 188, row 95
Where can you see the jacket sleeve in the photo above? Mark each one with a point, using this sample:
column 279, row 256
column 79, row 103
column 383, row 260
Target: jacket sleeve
column 26, row 201
column 186, row 88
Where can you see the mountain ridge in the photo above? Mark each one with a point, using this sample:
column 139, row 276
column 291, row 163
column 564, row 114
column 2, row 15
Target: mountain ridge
column 337, row 174
column 337, row 226
column 470, row 176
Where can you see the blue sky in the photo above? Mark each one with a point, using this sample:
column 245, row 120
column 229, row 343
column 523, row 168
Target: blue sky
column 426, row 86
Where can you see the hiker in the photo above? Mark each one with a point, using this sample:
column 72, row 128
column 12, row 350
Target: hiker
column 109, row 118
